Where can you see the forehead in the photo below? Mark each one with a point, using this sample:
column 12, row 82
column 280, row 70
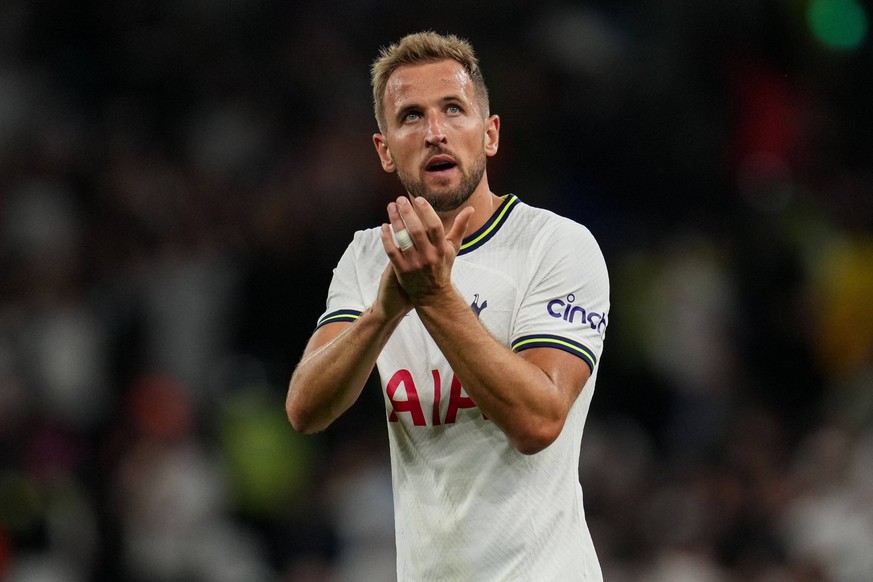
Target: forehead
column 428, row 81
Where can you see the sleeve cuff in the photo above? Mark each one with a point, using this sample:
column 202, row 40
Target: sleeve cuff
column 346, row 315
column 557, row 342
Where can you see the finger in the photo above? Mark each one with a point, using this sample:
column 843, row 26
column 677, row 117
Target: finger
column 398, row 226
column 459, row 227
column 430, row 221
column 391, row 249
column 395, row 218
column 411, row 220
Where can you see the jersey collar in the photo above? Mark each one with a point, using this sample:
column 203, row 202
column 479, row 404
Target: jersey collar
column 490, row 228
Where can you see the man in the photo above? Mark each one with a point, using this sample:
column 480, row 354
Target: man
column 485, row 318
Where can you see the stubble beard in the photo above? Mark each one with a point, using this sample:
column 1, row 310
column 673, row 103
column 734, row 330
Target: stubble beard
column 446, row 201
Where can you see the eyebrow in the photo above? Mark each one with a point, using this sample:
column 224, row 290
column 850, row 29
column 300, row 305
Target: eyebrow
column 403, row 111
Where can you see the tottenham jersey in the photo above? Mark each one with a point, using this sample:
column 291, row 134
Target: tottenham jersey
column 468, row 506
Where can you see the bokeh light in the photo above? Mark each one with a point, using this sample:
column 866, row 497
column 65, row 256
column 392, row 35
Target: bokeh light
column 838, row 24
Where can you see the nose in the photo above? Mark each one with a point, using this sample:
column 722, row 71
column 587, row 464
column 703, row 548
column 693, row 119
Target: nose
column 436, row 133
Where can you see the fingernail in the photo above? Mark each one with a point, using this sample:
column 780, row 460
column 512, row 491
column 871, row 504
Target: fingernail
column 421, row 201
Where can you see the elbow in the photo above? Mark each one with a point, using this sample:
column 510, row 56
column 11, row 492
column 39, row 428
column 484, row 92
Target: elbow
column 298, row 421
column 531, row 446
column 535, row 439
column 295, row 417
column 302, row 421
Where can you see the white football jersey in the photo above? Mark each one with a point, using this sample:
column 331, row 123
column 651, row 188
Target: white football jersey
column 468, row 506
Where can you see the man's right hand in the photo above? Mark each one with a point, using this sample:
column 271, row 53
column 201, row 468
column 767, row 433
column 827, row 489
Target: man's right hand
column 391, row 298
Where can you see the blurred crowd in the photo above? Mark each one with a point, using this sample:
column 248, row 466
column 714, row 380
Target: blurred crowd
column 178, row 179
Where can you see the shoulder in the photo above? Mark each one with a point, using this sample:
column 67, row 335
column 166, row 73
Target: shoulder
column 367, row 242
column 559, row 248
column 364, row 253
column 549, row 230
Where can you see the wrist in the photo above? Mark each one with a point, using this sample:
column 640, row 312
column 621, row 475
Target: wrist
column 379, row 316
column 439, row 300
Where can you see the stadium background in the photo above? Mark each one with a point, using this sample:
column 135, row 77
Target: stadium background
column 178, row 178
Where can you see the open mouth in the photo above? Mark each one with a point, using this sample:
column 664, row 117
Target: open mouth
column 440, row 164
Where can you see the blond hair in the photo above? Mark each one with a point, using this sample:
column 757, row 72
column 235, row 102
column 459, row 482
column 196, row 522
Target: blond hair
column 425, row 47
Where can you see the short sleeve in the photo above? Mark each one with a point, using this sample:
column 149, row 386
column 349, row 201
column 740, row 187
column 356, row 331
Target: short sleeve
column 566, row 303
column 344, row 298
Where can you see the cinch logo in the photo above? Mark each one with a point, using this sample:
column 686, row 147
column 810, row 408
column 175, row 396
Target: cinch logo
column 561, row 309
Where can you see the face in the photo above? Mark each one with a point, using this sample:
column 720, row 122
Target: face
column 436, row 138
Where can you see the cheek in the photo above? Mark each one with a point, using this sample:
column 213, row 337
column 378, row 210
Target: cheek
column 399, row 158
column 472, row 134
column 402, row 151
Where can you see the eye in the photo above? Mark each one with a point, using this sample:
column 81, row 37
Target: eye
column 411, row 116
column 454, row 110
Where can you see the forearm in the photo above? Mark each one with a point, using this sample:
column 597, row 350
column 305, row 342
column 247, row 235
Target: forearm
column 514, row 393
column 330, row 377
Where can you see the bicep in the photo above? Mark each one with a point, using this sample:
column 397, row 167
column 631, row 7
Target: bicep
column 567, row 372
column 324, row 335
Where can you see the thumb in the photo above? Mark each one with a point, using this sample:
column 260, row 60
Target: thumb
column 459, row 227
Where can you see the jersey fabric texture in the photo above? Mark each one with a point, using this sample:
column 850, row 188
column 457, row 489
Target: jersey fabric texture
column 468, row 506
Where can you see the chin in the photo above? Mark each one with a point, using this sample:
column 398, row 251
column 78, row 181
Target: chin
column 444, row 195
column 447, row 201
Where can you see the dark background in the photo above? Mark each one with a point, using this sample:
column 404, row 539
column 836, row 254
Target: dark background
column 178, row 179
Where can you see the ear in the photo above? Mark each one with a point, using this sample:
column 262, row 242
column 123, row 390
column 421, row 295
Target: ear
column 492, row 135
column 383, row 152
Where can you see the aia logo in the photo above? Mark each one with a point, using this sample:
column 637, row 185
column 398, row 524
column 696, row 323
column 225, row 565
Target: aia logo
column 477, row 309
column 405, row 397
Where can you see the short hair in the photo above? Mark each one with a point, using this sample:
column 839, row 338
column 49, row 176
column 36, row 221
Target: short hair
column 425, row 47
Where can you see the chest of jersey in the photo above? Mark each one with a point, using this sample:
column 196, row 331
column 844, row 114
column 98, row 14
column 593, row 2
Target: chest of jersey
column 419, row 386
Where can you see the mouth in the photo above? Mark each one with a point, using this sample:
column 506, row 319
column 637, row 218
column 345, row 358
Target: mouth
column 440, row 164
